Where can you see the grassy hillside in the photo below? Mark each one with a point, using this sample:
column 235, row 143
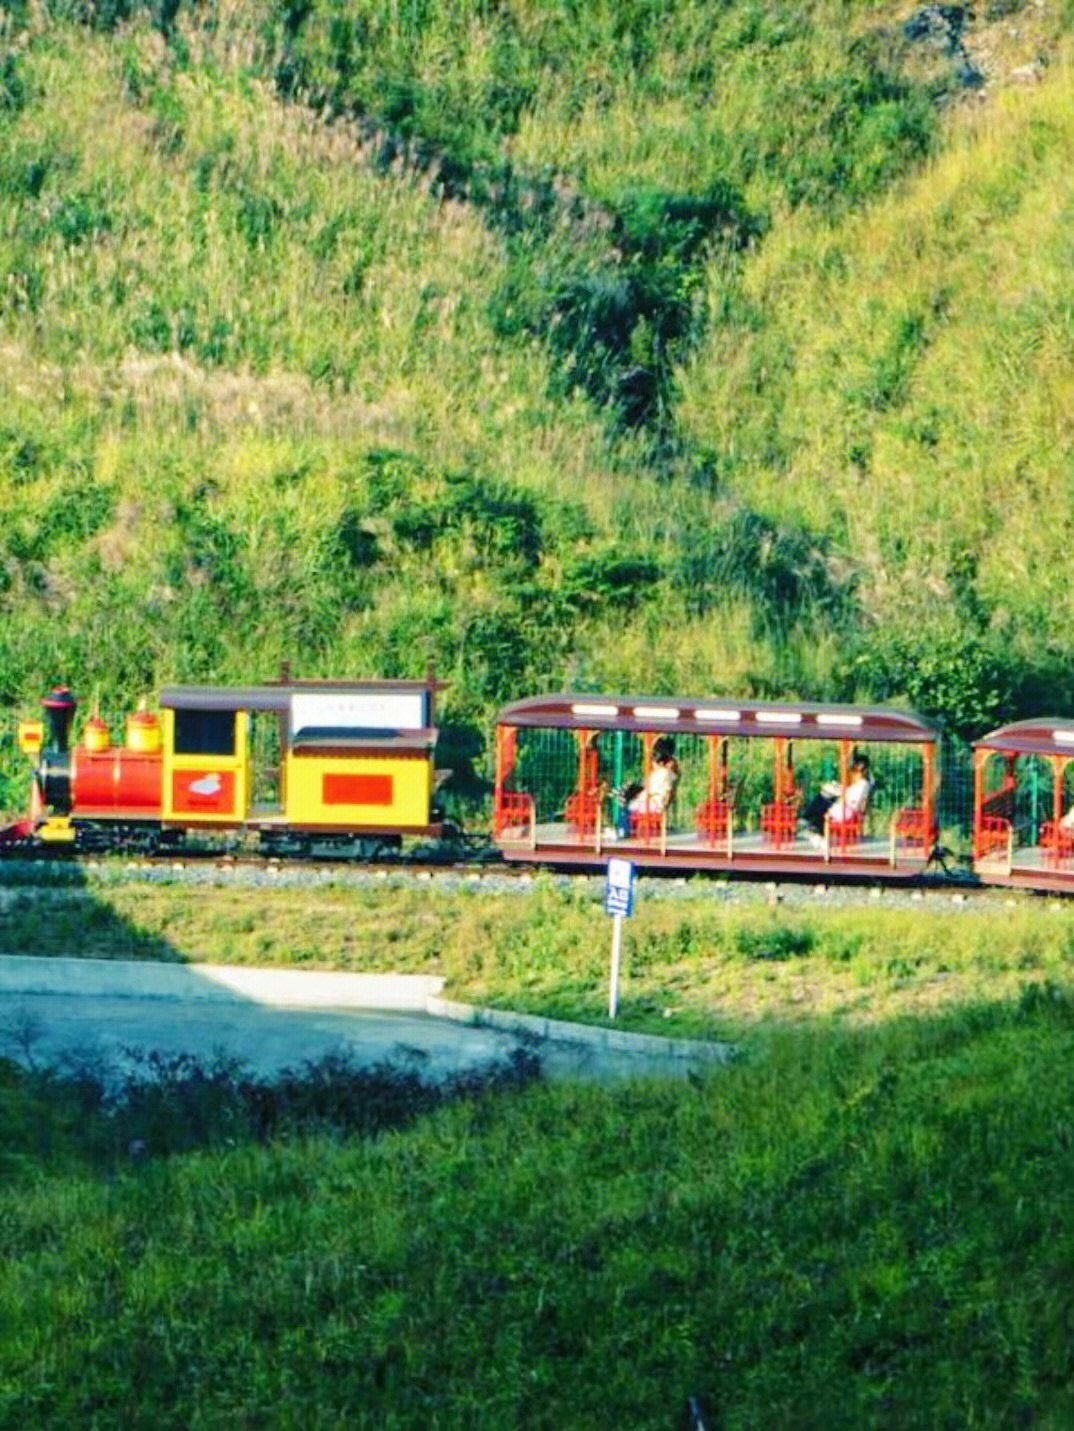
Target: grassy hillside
column 552, row 343
column 852, row 1231
column 651, row 344
column 242, row 368
column 900, row 383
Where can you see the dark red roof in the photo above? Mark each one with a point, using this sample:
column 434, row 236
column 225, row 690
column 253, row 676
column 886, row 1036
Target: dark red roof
column 1039, row 736
column 718, row 715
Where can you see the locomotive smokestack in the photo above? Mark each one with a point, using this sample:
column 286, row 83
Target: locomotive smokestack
column 59, row 706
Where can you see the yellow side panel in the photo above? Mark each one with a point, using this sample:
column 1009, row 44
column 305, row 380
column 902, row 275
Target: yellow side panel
column 206, row 789
column 376, row 791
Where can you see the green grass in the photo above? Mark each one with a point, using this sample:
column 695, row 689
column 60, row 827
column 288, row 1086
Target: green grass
column 866, row 388
column 691, row 967
column 857, row 1229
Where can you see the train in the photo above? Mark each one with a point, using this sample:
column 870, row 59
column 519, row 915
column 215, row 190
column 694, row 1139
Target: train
column 349, row 768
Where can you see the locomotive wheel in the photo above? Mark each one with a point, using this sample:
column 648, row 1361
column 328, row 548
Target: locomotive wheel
column 95, row 838
column 284, row 844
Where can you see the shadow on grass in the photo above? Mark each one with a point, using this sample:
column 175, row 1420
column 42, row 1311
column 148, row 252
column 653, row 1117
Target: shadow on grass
column 63, row 917
column 81, row 1114
column 858, row 1229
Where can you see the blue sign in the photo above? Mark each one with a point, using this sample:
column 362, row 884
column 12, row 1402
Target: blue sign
column 619, row 888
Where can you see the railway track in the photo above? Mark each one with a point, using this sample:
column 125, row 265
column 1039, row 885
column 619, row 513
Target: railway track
column 249, row 869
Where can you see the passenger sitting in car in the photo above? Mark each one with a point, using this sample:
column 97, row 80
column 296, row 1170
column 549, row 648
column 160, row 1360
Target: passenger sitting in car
column 838, row 803
column 652, row 796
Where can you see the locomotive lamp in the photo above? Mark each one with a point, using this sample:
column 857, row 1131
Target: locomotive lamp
column 31, row 736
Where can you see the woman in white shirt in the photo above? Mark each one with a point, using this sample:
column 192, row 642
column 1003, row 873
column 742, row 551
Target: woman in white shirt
column 840, row 803
column 654, row 795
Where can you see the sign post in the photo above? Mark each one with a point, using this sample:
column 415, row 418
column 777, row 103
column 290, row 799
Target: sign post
column 619, row 903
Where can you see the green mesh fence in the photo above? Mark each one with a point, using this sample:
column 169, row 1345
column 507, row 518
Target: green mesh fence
column 547, row 766
column 955, row 796
column 1034, row 803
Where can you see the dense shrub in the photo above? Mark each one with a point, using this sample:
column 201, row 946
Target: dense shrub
column 776, row 941
column 12, row 87
column 945, row 670
column 620, row 321
column 617, row 579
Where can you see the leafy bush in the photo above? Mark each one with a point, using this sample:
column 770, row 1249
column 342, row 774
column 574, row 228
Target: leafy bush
column 12, row 86
column 620, row 322
column 63, row 522
column 616, row 579
column 945, row 670
column 106, row 15
column 150, row 327
column 78, row 218
column 24, row 169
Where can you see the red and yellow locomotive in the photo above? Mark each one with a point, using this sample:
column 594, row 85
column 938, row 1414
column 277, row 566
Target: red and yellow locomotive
column 343, row 764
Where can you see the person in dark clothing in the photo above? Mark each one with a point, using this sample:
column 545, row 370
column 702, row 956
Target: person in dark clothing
column 839, row 803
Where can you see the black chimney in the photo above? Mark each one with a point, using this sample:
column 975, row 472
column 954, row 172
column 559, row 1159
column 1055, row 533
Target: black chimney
column 59, row 706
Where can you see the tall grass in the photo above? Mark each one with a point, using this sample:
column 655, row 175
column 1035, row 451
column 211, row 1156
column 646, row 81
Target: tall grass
column 901, row 383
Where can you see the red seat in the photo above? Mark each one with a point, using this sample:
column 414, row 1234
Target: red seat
column 779, row 822
column 513, row 810
column 909, row 829
column 581, row 810
column 1057, row 841
column 647, row 825
column 713, row 819
column 844, row 833
column 993, row 833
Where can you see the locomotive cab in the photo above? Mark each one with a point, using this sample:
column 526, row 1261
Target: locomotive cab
column 349, row 764
column 346, row 761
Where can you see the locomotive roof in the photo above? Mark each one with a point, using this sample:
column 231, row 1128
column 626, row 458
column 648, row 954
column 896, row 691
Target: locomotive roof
column 718, row 716
column 276, row 695
column 1039, row 736
column 328, row 717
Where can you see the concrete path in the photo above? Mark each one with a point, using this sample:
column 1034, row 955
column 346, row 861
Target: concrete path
column 73, row 1029
column 57, row 1011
